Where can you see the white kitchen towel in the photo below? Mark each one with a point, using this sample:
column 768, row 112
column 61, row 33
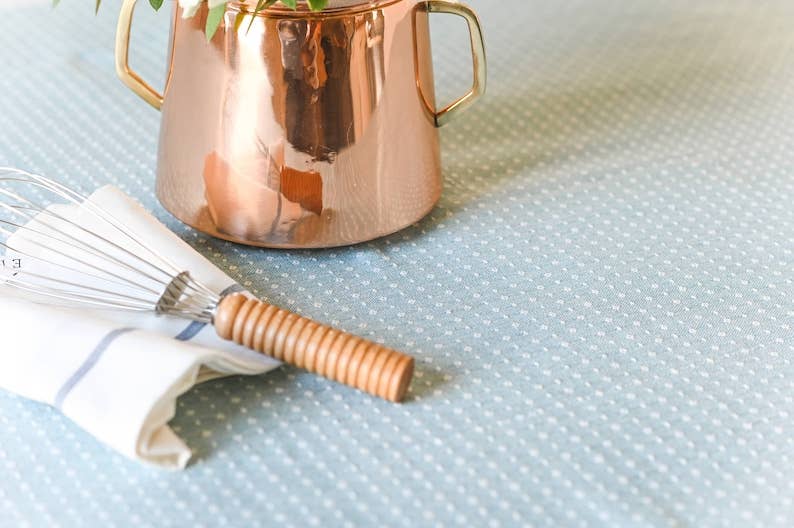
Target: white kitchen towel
column 118, row 374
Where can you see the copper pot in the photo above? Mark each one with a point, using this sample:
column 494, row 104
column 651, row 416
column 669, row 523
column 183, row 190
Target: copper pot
column 298, row 128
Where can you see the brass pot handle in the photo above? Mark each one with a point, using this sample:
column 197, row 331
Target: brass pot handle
column 125, row 73
column 445, row 115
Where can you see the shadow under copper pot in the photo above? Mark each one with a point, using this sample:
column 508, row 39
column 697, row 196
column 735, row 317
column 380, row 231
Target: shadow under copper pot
column 302, row 129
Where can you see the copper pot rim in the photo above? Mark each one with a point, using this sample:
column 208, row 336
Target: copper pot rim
column 334, row 8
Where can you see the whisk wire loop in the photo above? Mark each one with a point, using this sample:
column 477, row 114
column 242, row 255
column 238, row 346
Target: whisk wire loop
column 48, row 212
column 90, row 256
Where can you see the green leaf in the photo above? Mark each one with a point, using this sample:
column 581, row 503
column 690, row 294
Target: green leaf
column 214, row 19
column 260, row 5
column 263, row 4
column 290, row 3
column 318, row 5
column 156, row 4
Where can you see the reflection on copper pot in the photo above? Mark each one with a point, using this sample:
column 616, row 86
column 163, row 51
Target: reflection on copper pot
column 302, row 129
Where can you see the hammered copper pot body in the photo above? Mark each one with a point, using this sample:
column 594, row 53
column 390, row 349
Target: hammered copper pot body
column 301, row 129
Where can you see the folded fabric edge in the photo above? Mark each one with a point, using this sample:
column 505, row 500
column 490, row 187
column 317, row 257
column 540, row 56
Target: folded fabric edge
column 157, row 443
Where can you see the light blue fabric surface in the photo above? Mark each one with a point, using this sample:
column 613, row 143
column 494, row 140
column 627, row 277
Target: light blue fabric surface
column 601, row 305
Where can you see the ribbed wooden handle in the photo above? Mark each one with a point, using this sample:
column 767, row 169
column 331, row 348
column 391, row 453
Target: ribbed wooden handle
column 320, row 349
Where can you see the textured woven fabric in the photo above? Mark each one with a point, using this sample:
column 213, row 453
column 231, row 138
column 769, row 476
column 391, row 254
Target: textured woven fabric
column 601, row 305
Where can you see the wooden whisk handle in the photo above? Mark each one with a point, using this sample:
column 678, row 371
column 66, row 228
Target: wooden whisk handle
column 320, row 349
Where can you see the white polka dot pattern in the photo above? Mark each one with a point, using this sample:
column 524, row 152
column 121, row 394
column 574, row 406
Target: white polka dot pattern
column 601, row 306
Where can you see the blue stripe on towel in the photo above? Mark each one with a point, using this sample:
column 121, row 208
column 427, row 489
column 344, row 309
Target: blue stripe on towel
column 190, row 331
column 195, row 327
column 88, row 364
column 187, row 334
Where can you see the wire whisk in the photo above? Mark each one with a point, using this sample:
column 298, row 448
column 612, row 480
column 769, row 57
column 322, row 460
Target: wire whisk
column 84, row 257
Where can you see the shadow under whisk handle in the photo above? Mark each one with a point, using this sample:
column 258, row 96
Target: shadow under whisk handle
column 320, row 349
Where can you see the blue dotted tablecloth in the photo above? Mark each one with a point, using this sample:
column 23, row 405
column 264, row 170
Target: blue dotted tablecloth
column 601, row 305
